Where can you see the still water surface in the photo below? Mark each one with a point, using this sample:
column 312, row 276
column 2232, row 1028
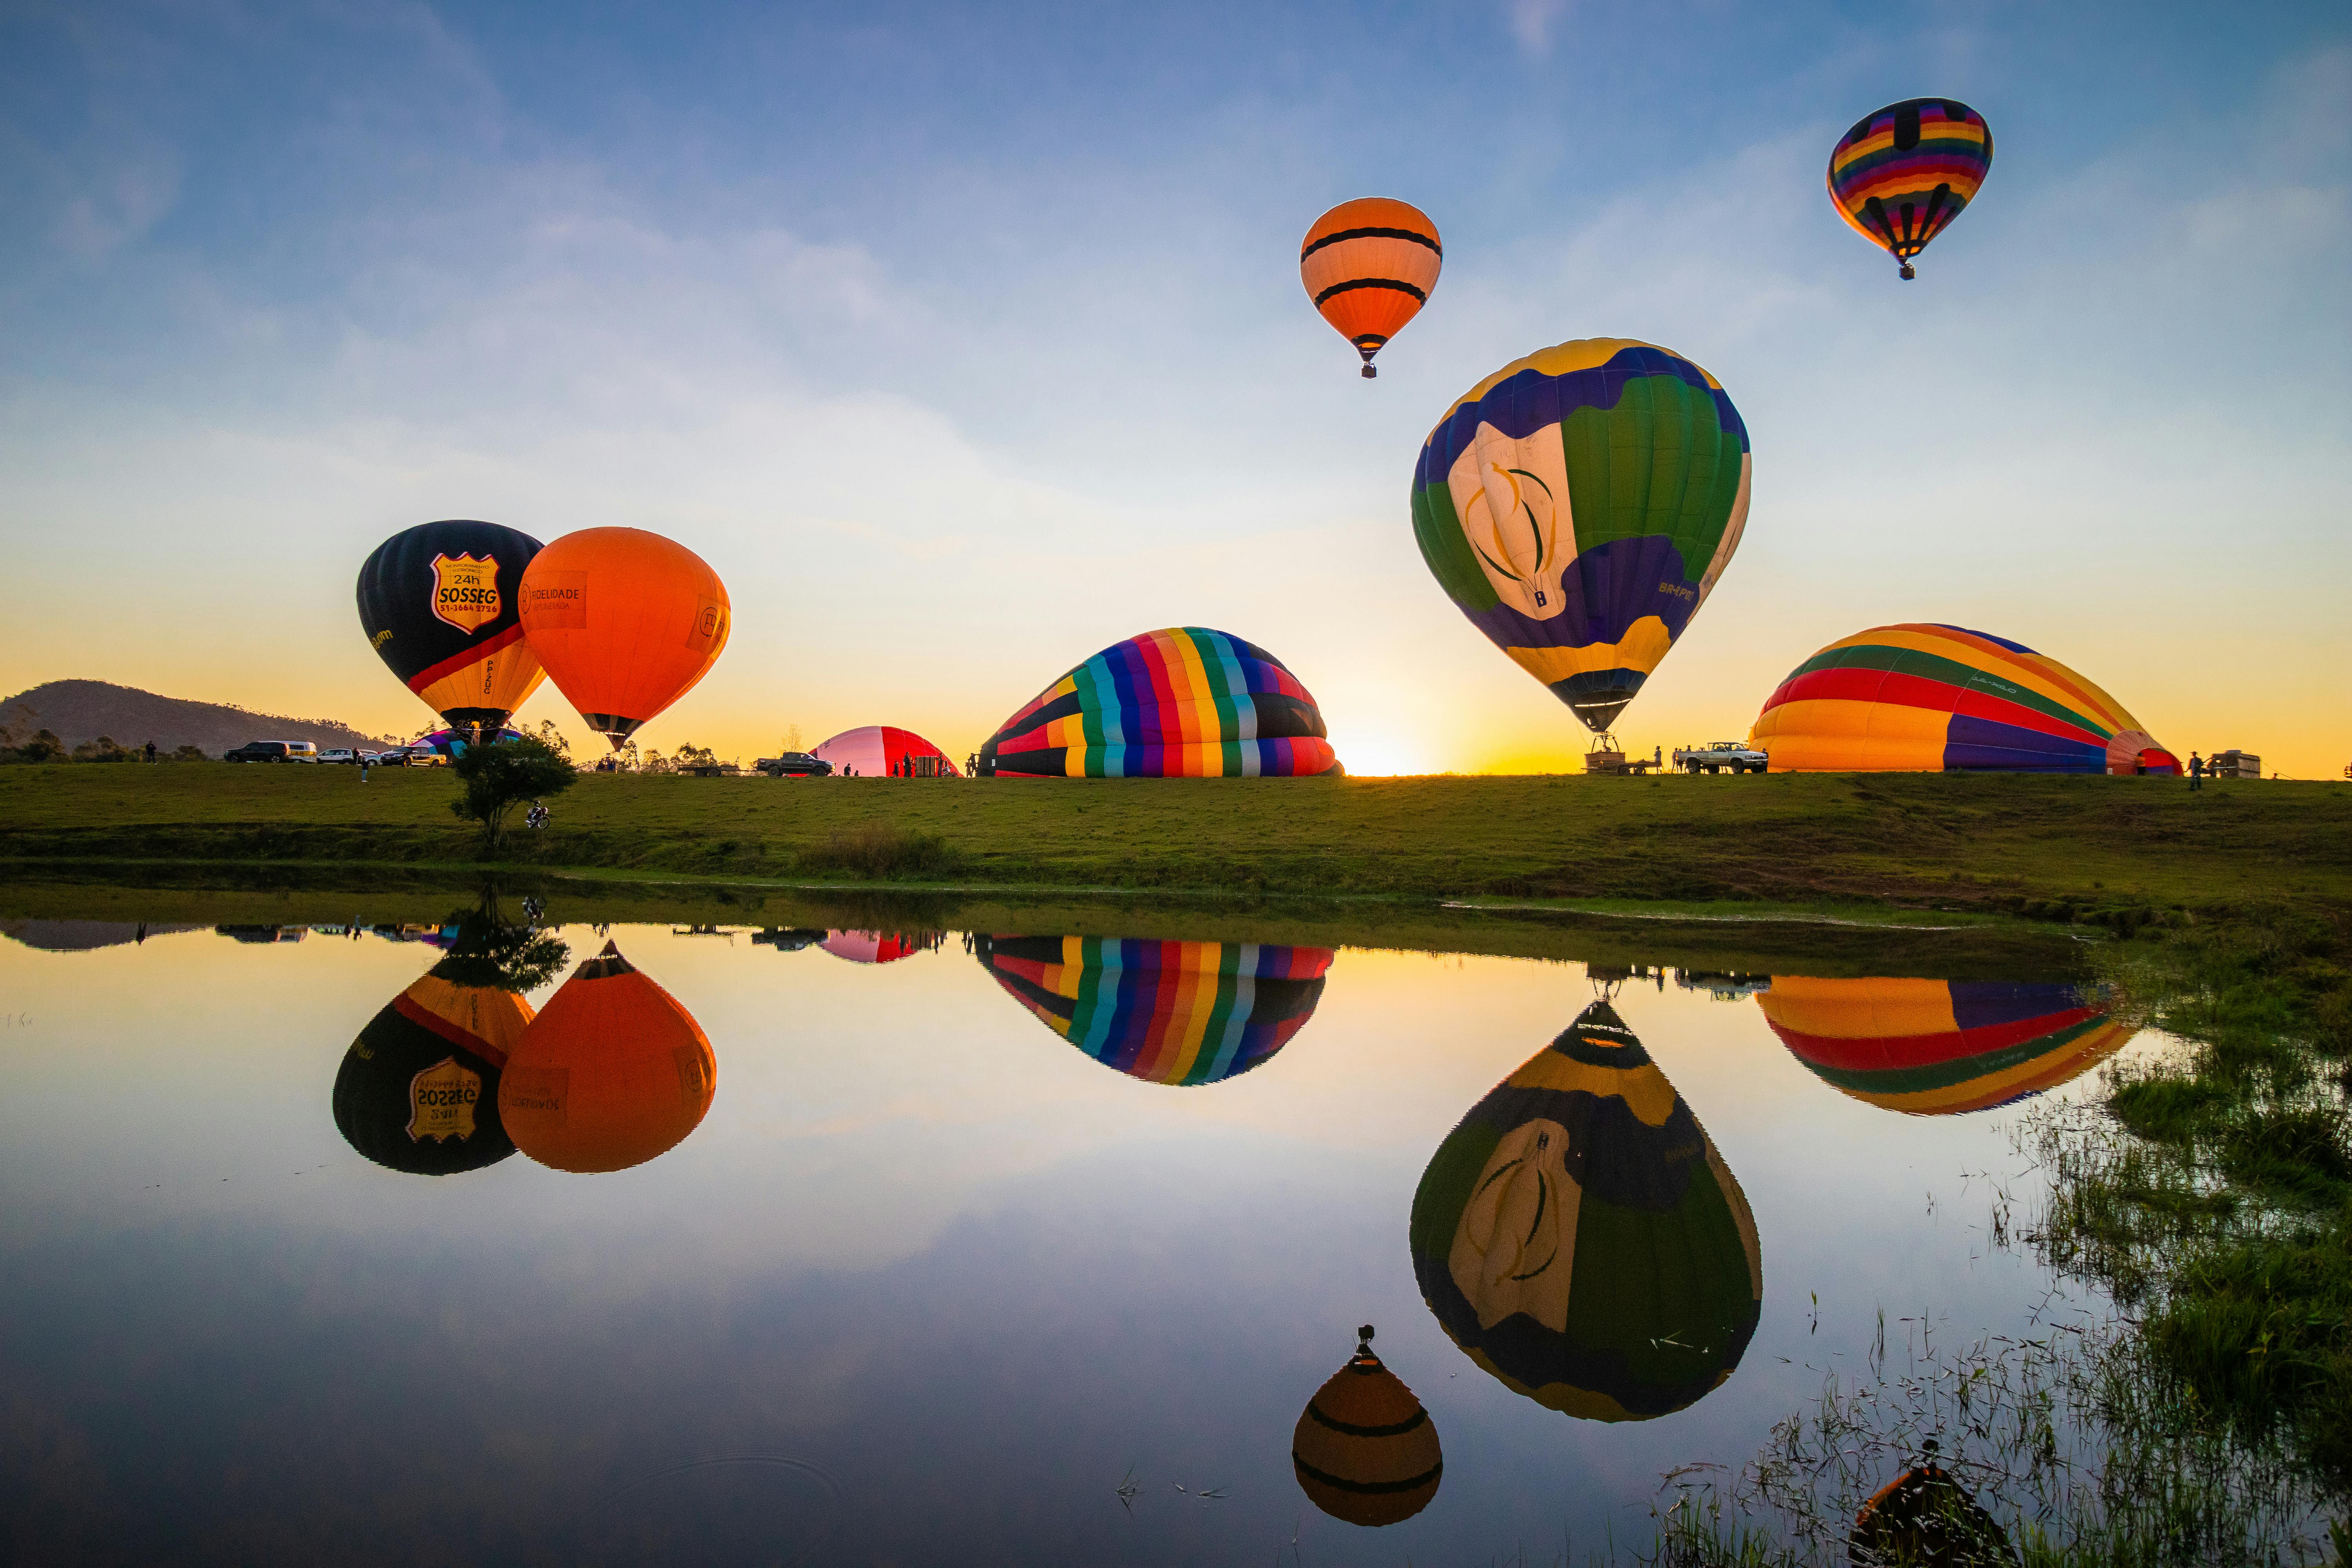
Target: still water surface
column 936, row 1246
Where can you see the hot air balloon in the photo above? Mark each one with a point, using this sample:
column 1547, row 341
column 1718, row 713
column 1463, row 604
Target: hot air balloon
column 418, row 1090
column 1166, row 1012
column 439, row 604
column 1365, row 1451
column 1578, row 505
column 626, row 621
column 1901, row 175
column 1368, row 265
column 1925, row 1517
column 1186, row 702
column 612, row 1073
column 1580, row 1239
column 879, row 946
column 884, row 751
column 1921, row 698
column 1933, row 1047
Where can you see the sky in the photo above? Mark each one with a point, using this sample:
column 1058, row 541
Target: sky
column 963, row 342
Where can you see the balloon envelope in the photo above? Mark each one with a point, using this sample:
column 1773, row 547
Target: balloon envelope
column 1364, row 1450
column 879, row 946
column 1166, row 1012
column 1578, row 505
column 1933, row 1047
column 1923, row 698
column 418, row 1090
column 1579, row 1236
column 1186, row 702
column 609, row 1074
column 440, row 604
column 1902, row 175
column 884, row 750
column 626, row 621
column 1369, row 265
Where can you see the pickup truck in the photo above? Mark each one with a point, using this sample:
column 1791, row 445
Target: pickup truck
column 1721, row 756
column 794, row 766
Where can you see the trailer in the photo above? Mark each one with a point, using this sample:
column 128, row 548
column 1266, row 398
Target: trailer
column 2235, row 765
column 1606, row 760
column 1721, row 757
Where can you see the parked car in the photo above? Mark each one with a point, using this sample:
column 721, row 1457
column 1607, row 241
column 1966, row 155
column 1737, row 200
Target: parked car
column 1721, row 756
column 258, row 752
column 339, row 754
column 794, row 766
column 414, row 757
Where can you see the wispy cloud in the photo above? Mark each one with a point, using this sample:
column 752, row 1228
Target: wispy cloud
column 1533, row 23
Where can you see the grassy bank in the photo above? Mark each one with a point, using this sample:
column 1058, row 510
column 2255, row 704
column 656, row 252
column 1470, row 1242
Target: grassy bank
column 2062, row 847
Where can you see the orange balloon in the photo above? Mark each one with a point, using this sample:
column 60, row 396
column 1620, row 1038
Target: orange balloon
column 1369, row 266
column 611, row 1073
column 624, row 621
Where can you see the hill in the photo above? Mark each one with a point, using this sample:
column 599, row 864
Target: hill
column 79, row 711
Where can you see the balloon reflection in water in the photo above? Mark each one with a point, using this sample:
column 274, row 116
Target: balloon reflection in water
column 418, row 1090
column 1579, row 1236
column 1167, row 1012
column 880, row 946
column 1933, row 1047
column 611, row 1074
column 1364, row 1450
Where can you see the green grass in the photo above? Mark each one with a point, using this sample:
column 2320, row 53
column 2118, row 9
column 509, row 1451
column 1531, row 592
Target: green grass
column 2120, row 853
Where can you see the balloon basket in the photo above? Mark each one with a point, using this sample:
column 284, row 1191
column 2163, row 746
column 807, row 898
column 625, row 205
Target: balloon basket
column 1907, row 273
column 1369, row 373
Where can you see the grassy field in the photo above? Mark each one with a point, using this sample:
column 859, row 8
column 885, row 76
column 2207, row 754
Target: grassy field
column 1963, row 842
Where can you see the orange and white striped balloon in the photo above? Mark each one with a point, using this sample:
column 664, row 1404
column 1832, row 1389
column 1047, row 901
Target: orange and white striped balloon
column 1369, row 265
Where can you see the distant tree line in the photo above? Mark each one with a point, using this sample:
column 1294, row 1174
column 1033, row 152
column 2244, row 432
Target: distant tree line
column 43, row 746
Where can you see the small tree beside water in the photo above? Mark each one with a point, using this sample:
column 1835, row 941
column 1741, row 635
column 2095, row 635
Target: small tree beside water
column 505, row 774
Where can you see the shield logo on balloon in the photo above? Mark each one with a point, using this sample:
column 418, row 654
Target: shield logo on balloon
column 441, row 1101
column 465, row 591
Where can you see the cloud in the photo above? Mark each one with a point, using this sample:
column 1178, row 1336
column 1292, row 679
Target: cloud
column 1531, row 23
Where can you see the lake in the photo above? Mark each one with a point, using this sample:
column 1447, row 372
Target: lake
column 800, row 1245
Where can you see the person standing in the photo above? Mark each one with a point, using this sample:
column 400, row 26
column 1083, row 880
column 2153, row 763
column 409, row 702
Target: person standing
column 2196, row 772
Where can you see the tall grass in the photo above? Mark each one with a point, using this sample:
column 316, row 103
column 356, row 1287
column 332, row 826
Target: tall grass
column 881, row 852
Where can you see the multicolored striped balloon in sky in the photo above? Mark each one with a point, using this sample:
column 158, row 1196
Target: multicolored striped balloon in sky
column 1166, row 1012
column 1901, row 175
column 1186, row 702
column 1925, row 697
column 1580, row 1239
column 1578, row 505
column 1368, row 265
column 1933, row 1047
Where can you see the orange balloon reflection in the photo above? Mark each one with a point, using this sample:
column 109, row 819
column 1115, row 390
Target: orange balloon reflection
column 611, row 1073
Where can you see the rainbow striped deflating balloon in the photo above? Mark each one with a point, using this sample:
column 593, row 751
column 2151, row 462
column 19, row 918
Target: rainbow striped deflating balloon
column 1578, row 505
column 1181, row 703
column 1166, row 1012
column 1936, row 698
column 1933, row 1047
column 1901, row 175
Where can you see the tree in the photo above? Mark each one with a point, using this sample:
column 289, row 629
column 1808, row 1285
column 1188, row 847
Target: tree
column 791, row 737
column 44, row 747
column 555, row 739
column 487, row 951
column 189, row 754
column 502, row 775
